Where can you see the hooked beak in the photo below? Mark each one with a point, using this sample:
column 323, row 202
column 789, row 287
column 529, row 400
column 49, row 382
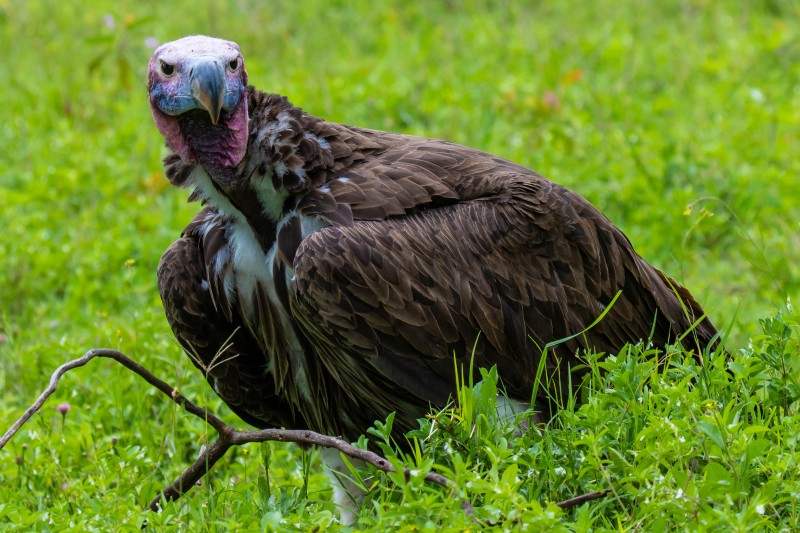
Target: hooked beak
column 208, row 88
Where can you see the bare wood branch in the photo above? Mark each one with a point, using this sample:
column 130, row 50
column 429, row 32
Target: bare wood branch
column 228, row 436
column 577, row 500
column 183, row 483
column 231, row 437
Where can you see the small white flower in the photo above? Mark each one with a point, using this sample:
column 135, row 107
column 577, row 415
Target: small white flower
column 760, row 509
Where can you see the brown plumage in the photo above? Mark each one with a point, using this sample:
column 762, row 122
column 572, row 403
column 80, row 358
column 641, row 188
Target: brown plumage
column 336, row 272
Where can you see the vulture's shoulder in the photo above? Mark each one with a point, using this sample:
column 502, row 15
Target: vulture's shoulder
column 348, row 173
column 379, row 174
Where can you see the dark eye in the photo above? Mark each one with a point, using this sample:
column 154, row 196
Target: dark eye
column 167, row 69
column 233, row 64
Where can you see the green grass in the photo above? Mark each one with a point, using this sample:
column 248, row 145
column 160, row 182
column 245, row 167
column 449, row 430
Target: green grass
column 679, row 120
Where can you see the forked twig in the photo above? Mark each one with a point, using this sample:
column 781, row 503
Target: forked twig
column 233, row 437
column 228, row 436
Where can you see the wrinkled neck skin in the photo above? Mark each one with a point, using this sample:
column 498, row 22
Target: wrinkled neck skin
column 215, row 148
column 218, row 148
column 271, row 174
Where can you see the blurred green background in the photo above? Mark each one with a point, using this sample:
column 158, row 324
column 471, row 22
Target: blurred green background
column 678, row 119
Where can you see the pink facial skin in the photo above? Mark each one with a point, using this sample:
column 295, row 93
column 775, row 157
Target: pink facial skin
column 185, row 78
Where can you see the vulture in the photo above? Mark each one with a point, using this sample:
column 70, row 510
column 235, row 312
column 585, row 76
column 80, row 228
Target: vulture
column 337, row 274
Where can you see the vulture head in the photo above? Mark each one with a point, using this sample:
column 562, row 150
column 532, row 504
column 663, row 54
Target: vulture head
column 197, row 88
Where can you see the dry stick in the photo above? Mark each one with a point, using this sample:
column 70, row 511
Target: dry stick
column 577, row 500
column 228, row 436
column 232, row 437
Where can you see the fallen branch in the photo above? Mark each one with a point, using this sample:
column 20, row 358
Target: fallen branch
column 233, row 437
column 228, row 436
column 577, row 500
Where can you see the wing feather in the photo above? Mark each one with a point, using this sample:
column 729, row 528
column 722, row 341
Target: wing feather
column 424, row 287
column 218, row 342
